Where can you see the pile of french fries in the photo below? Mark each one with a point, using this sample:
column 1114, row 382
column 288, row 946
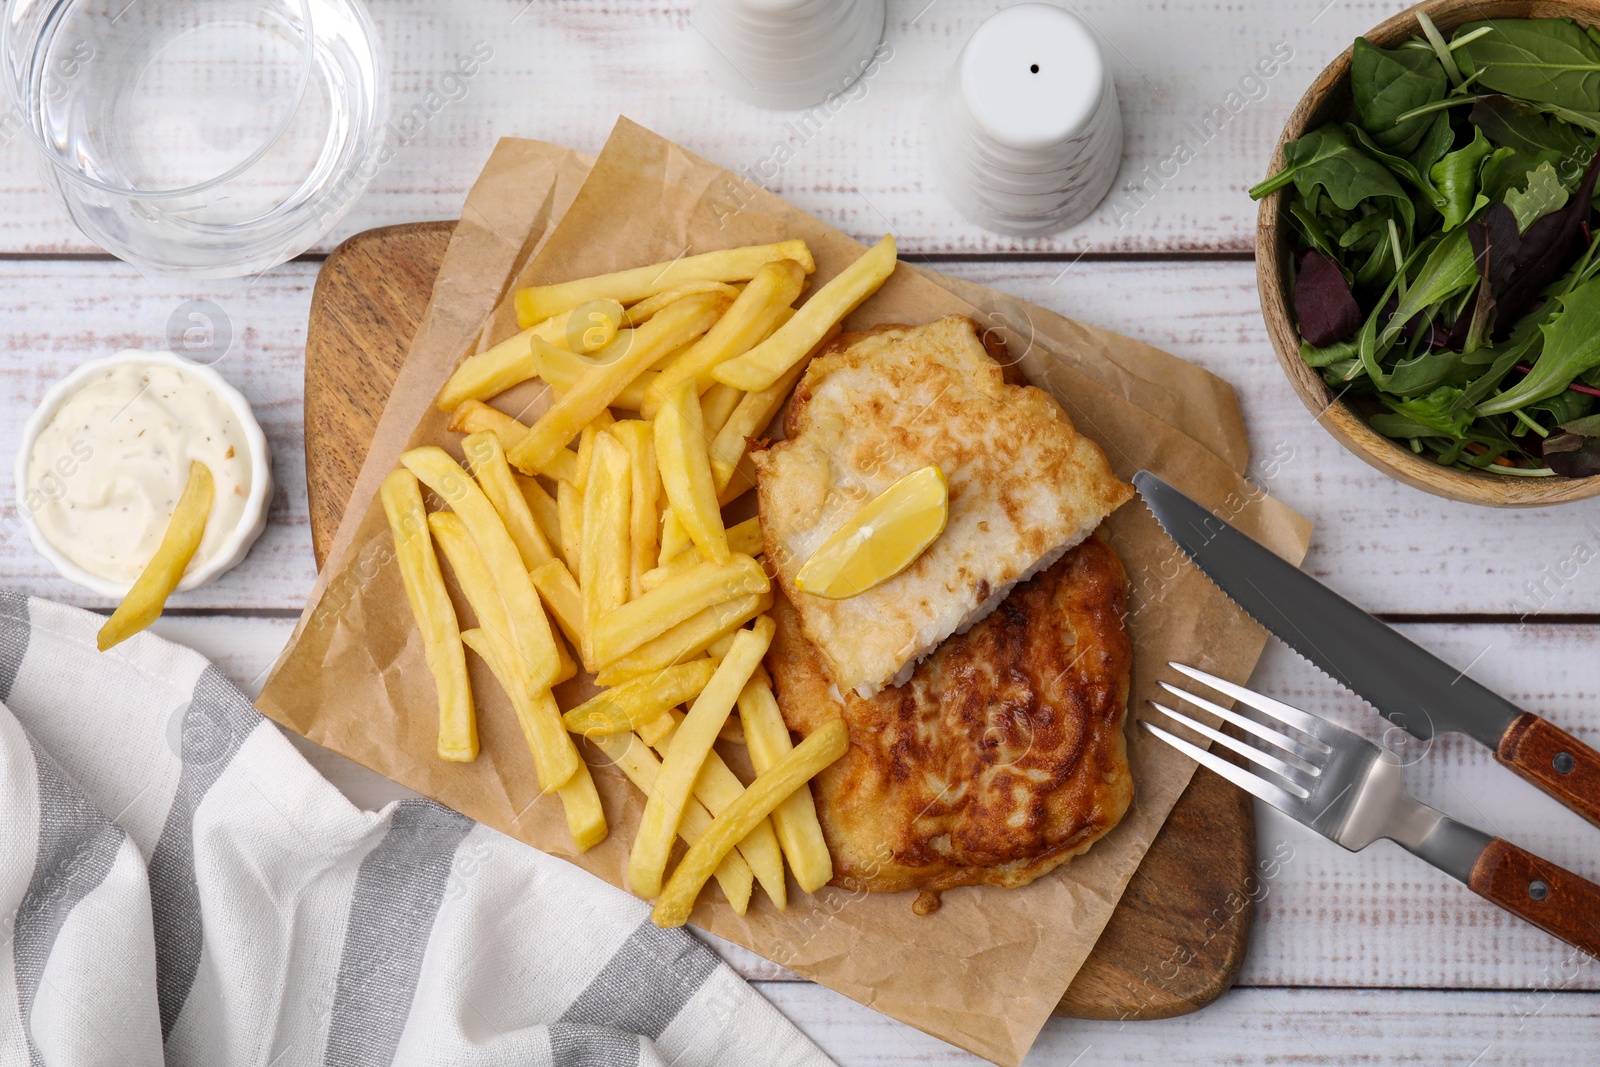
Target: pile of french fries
column 606, row 516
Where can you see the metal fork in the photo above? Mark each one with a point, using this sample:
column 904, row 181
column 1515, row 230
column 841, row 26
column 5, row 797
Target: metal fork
column 1353, row 792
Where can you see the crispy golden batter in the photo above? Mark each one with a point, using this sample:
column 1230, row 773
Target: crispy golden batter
column 1001, row 758
column 1024, row 487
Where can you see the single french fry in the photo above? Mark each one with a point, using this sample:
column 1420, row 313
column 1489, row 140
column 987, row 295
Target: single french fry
column 743, row 537
column 634, row 757
column 563, row 371
column 674, row 538
column 748, row 321
column 496, row 369
column 691, row 744
column 559, row 590
column 606, row 515
column 555, row 758
column 185, row 530
column 795, row 820
column 569, row 510
column 647, row 307
column 546, row 513
column 639, row 440
column 593, row 393
column 586, row 819
column 827, row 743
column 530, row 628
column 717, row 787
column 631, row 286
column 599, row 424
column 754, row 413
column 685, row 464
column 716, row 406
column 701, row 586
column 625, row 707
column 686, row 640
column 434, row 614
column 657, row 728
column 488, row 462
column 473, row 575
column 843, row 293
column 474, row 416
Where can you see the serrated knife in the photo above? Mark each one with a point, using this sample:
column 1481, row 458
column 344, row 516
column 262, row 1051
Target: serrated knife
column 1412, row 688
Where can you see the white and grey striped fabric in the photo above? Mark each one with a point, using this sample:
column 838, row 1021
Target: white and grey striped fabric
column 181, row 887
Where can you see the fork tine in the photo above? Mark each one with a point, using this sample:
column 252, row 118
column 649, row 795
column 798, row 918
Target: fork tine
column 1279, row 798
column 1323, row 732
column 1290, row 745
column 1249, row 752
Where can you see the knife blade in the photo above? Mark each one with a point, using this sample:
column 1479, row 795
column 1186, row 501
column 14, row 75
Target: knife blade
column 1409, row 686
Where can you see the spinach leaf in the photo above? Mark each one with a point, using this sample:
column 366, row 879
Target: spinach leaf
column 1435, row 143
column 1434, row 412
column 1571, row 346
column 1386, row 84
column 1543, row 195
column 1407, row 171
column 1325, row 161
column 1311, row 227
column 1550, row 61
column 1427, row 372
column 1534, row 135
column 1456, row 176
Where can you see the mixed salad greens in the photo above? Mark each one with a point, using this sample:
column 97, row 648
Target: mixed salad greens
column 1447, row 279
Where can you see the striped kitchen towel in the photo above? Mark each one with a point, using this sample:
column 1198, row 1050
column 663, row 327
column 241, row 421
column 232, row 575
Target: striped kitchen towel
column 181, row 887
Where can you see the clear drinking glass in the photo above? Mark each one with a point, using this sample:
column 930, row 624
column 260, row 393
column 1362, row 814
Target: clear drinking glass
column 208, row 138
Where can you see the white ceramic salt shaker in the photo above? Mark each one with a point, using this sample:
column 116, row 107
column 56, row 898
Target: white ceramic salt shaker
column 1027, row 136
column 787, row 54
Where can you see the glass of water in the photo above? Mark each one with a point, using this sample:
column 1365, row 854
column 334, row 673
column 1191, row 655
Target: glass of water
column 207, row 138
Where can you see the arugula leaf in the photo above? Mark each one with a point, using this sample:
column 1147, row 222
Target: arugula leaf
column 1456, row 175
column 1571, row 346
column 1543, row 195
column 1550, row 61
column 1386, row 84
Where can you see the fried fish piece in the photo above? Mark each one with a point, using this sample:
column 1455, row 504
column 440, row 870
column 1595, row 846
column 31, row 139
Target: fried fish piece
column 1002, row 757
column 1025, row 486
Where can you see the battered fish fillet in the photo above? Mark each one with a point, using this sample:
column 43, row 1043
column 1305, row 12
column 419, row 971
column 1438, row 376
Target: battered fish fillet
column 1003, row 755
column 1024, row 487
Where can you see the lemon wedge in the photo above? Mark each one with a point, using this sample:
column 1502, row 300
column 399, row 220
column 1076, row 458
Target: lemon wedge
column 880, row 540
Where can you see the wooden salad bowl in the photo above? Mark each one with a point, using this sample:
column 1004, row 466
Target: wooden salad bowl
column 1328, row 99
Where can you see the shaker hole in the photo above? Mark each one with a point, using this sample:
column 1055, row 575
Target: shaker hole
column 1034, row 68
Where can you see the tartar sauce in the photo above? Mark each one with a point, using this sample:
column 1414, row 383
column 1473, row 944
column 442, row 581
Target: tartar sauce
column 106, row 471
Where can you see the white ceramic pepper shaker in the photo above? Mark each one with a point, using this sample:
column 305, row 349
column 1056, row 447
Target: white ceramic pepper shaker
column 786, row 54
column 1027, row 135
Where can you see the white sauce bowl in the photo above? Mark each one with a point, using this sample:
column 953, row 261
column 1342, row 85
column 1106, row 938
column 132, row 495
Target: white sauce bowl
column 251, row 523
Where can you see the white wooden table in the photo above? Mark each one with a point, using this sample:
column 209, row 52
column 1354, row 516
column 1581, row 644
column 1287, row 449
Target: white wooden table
column 1373, row 958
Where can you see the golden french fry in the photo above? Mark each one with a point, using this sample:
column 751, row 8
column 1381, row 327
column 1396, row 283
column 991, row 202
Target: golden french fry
column 546, row 513
column 748, row 322
column 685, row 640
column 488, row 462
column 631, row 286
column 642, row 311
column 639, row 440
column 434, row 614
column 743, row 537
column 586, row 819
column 473, row 575
column 563, row 371
column 185, row 530
column 717, row 787
column 496, row 369
column 658, row 728
column 685, row 465
column 559, row 590
column 555, row 758
column 600, row 424
column 754, row 413
column 674, row 601
column 674, row 538
column 569, row 510
column 795, row 820
column 691, row 744
column 625, row 707
column 844, row 292
column 530, row 629
column 580, row 405
column 827, row 743
column 716, row 406
column 636, row 760
column 607, row 513
column 474, row 416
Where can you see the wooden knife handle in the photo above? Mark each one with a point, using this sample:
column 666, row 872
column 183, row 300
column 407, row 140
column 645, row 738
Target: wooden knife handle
column 1555, row 761
column 1550, row 897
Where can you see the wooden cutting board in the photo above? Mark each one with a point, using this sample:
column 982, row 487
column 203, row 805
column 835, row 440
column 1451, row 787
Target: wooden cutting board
column 1177, row 939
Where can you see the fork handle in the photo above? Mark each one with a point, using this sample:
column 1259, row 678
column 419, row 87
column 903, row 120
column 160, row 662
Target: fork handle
column 1550, row 897
column 1555, row 761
